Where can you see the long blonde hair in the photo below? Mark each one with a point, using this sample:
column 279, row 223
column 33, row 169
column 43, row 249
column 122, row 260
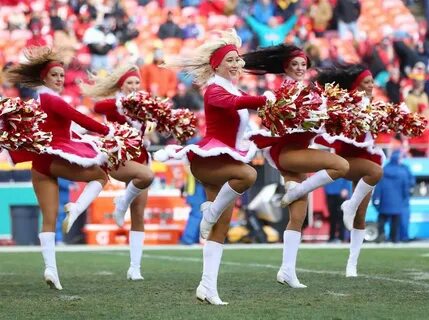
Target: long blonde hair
column 198, row 65
column 106, row 86
column 27, row 73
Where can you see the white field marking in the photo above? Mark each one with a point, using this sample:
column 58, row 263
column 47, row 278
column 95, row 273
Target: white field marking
column 6, row 274
column 338, row 294
column 275, row 267
column 86, row 248
column 104, row 273
column 64, row 297
column 425, row 255
column 419, row 275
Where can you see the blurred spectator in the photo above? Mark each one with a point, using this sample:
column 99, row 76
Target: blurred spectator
column 393, row 86
column 336, row 193
column 169, row 29
column 124, row 30
column 209, row 7
column 192, row 29
column 274, row 33
column 156, row 79
column 405, row 214
column 320, row 13
column 244, row 33
column 65, row 40
column 406, row 53
column 417, row 100
column 190, row 99
column 7, row 89
column 391, row 196
column 56, row 22
column 37, row 39
column 263, row 10
column 100, row 40
column 313, row 53
column 287, row 8
column 191, row 3
column 347, row 12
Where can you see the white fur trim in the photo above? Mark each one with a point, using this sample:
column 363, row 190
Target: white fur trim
column 267, row 155
column 224, row 83
column 99, row 159
column 178, row 152
column 8, row 157
column 368, row 145
column 44, row 89
column 261, row 132
column 161, row 155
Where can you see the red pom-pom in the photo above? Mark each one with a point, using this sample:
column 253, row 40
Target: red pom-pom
column 19, row 125
column 123, row 145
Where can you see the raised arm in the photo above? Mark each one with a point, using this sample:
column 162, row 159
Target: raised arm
column 220, row 98
column 63, row 109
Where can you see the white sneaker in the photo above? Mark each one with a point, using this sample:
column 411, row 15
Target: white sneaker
column 119, row 213
column 205, row 226
column 351, row 271
column 348, row 215
column 71, row 216
column 134, row 274
column 52, row 279
column 291, row 281
column 287, row 199
column 202, row 296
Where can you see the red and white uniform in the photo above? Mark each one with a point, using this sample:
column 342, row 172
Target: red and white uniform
column 363, row 147
column 109, row 108
column 65, row 144
column 226, row 120
column 273, row 145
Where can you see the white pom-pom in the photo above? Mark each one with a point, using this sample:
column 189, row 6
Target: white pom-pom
column 161, row 155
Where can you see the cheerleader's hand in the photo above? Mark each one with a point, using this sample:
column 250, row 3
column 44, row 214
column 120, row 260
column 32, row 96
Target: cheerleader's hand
column 150, row 127
column 271, row 98
column 111, row 133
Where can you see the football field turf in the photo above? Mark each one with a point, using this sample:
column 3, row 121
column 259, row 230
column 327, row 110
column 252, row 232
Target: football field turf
column 393, row 283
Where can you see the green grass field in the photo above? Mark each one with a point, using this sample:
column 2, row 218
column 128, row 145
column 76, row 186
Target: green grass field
column 393, row 284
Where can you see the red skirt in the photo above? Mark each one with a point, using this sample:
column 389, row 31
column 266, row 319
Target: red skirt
column 348, row 150
column 274, row 145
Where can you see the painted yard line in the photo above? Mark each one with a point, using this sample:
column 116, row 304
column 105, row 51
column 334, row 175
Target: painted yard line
column 275, row 267
column 89, row 248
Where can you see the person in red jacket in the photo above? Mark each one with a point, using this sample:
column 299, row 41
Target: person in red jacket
column 291, row 155
column 363, row 156
column 67, row 157
column 220, row 159
column 135, row 173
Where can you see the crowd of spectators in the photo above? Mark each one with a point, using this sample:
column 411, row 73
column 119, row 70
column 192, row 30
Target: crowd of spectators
column 96, row 35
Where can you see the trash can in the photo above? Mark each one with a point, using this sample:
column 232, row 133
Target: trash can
column 25, row 225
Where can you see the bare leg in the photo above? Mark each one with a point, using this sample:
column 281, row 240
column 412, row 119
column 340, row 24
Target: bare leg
column 223, row 179
column 292, row 236
column 96, row 179
column 365, row 175
column 327, row 168
column 137, row 177
column 46, row 189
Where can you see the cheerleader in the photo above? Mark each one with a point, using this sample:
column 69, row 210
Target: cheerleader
column 219, row 160
column 363, row 156
column 291, row 156
column 67, row 156
column 136, row 173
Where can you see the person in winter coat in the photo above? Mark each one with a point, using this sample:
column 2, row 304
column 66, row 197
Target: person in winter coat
column 391, row 196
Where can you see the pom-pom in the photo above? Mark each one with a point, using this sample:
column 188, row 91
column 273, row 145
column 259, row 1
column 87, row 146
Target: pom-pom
column 19, row 125
column 124, row 145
